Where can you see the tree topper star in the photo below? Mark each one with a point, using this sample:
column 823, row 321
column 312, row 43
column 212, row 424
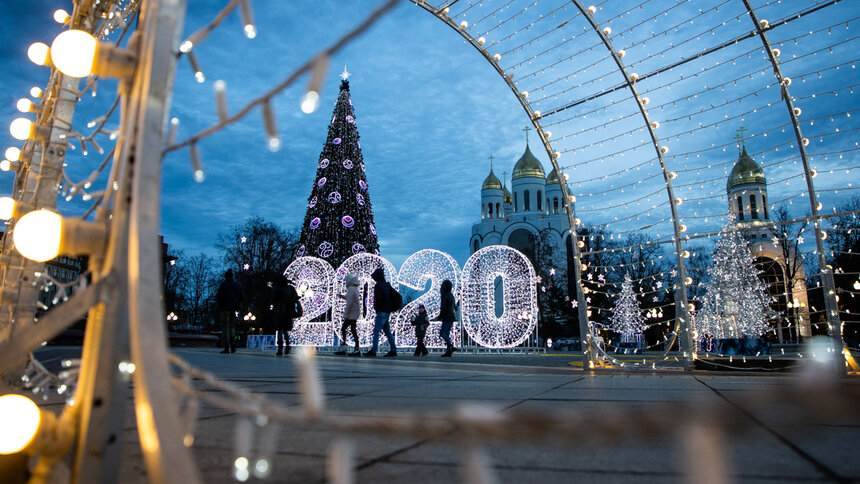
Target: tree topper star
column 345, row 74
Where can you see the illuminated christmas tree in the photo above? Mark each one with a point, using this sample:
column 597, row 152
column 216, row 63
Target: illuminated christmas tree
column 736, row 302
column 339, row 219
column 627, row 318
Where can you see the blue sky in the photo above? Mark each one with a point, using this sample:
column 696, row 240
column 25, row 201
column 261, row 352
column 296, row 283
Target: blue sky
column 430, row 111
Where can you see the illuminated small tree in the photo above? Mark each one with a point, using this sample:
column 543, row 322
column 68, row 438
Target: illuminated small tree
column 736, row 302
column 627, row 318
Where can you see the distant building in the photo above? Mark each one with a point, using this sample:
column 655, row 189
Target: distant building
column 746, row 189
column 532, row 211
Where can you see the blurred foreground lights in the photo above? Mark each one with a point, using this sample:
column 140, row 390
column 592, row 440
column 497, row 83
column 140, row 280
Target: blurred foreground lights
column 310, row 102
column 61, row 16
column 13, row 154
column 23, row 128
column 41, row 235
column 25, row 105
column 240, row 469
column 6, row 165
column 78, row 54
column 7, row 208
column 19, row 421
column 36, row 92
column 126, row 367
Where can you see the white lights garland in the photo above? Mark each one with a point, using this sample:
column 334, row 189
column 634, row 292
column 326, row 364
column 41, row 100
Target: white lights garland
column 313, row 279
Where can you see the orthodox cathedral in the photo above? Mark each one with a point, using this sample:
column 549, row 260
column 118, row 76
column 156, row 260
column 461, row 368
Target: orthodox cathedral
column 533, row 209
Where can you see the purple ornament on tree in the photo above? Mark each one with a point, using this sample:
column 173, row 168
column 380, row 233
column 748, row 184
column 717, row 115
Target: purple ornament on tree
column 313, row 202
column 362, row 184
column 362, row 166
column 358, row 144
column 335, row 141
column 325, row 249
column 350, row 119
column 334, row 197
column 323, row 163
column 301, row 251
column 372, row 229
column 347, row 164
column 347, row 221
column 357, row 248
column 359, row 198
column 321, row 182
column 315, row 223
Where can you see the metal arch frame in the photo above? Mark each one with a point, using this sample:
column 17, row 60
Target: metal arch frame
column 584, row 329
column 831, row 307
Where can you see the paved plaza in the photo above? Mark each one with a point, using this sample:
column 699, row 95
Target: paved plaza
column 758, row 449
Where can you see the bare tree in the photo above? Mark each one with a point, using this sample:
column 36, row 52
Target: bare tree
column 786, row 237
column 175, row 278
column 200, row 288
column 843, row 240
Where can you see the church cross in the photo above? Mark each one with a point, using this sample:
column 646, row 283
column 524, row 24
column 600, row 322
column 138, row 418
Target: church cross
column 740, row 138
column 505, row 177
column 491, row 162
column 527, row 129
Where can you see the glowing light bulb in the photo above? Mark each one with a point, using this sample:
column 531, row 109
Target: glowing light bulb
column 857, row 285
column 678, row 201
column 786, row 81
column 13, row 154
column 250, row 31
column 310, row 102
column 548, row 134
column 37, row 235
column 36, row 92
column 537, row 114
column 497, row 57
column 38, row 53
column 688, row 281
column 621, row 53
column 644, row 100
column 19, row 419
column 634, row 77
column 797, row 111
column 61, row 16
column 655, row 124
column 74, row 53
column 7, row 208
column 683, row 228
column 558, row 155
column 5, row 165
column 607, row 30
column 776, row 52
column 186, row 46
column 464, row 24
column 525, row 94
column 592, row 9
column 672, row 175
column 482, row 40
column 24, row 105
column 686, row 255
column 21, row 128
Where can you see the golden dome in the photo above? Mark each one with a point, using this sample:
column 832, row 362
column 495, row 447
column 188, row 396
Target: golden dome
column 746, row 171
column 552, row 178
column 506, row 196
column 491, row 182
column 528, row 166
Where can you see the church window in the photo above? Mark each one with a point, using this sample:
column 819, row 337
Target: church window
column 498, row 211
column 740, row 209
column 475, row 247
column 539, row 201
column 764, row 204
column 490, row 212
column 753, row 210
column 515, row 202
column 526, row 202
column 555, row 205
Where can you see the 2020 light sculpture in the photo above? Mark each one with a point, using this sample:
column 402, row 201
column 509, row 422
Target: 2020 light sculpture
column 362, row 265
column 319, row 286
column 519, row 300
column 313, row 278
column 424, row 265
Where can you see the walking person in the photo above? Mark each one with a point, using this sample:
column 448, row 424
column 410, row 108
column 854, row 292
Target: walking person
column 382, row 297
column 229, row 300
column 351, row 313
column 285, row 307
column 421, row 323
column 447, row 314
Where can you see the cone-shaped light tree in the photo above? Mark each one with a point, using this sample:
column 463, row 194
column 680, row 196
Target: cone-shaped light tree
column 736, row 302
column 627, row 318
column 339, row 219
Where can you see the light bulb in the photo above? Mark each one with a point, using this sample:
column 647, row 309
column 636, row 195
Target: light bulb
column 621, row 53
column 74, row 53
column 644, row 100
column 857, row 285
column 548, row 134
column 37, row 235
column 464, row 24
column 310, row 102
column 525, row 94
column 61, row 16
column 607, row 31
column 38, row 53
column 36, row 92
column 24, row 105
column 664, row 149
column 537, row 114
column 634, row 77
column 7, row 208
column 21, row 128
column 482, row 40
column 13, row 154
column 19, row 419
column 5, row 165
column 497, row 57
column 592, row 9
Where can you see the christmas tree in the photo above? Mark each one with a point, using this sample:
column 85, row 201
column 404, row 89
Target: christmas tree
column 339, row 219
column 627, row 318
column 736, row 302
